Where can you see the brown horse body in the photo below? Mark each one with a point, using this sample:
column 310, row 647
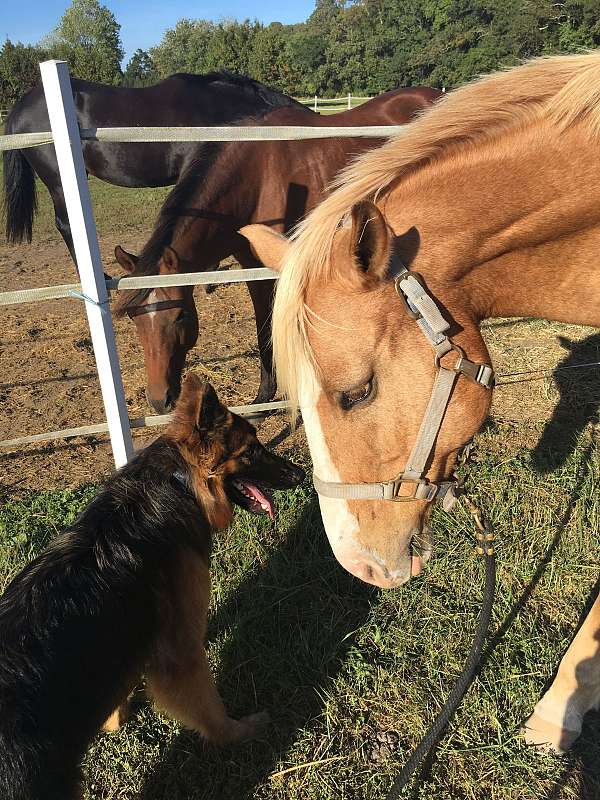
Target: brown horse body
column 493, row 197
column 273, row 183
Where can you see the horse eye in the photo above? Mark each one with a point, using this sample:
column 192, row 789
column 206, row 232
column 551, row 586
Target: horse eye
column 358, row 395
column 182, row 316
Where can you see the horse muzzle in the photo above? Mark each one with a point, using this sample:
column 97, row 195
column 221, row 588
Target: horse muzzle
column 164, row 404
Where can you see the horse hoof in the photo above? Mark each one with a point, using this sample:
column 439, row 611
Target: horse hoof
column 265, row 395
column 547, row 736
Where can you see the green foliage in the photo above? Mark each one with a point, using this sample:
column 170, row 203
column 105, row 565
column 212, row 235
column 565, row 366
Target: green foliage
column 360, row 46
column 140, row 70
column 88, row 37
column 19, row 71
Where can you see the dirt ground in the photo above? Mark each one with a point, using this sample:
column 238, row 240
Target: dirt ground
column 48, row 379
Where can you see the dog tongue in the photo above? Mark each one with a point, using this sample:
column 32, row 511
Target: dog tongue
column 260, row 498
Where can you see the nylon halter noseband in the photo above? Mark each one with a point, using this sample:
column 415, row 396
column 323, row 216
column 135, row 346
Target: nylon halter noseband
column 410, row 483
column 159, row 305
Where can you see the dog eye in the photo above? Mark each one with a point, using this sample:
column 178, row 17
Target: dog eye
column 357, row 395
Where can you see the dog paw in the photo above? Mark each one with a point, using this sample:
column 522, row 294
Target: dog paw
column 118, row 718
column 253, row 726
column 548, row 736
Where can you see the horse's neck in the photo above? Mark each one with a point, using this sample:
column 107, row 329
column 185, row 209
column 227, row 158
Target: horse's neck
column 222, row 203
column 512, row 228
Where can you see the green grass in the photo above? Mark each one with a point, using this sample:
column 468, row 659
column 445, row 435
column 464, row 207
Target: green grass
column 337, row 663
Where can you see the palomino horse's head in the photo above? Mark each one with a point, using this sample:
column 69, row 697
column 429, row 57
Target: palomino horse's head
column 167, row 325
column 362, row 372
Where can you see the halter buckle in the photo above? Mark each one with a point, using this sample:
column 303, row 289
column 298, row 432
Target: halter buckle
column 414, row 315
column 431, row 490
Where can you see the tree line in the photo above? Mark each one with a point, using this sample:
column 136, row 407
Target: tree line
column 357, row 46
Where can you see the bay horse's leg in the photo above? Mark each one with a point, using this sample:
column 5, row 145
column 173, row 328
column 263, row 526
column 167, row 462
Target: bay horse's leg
column 61, row 219
column 261, row 294
column 557, row 718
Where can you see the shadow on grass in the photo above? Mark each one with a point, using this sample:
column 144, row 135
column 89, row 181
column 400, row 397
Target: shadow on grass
column 282, row 637
column 579, row 389
column 557, row 443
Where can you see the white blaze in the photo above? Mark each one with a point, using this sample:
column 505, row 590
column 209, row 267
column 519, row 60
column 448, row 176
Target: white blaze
column 340, row 524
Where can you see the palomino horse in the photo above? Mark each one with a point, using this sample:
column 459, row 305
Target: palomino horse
column 493, row 199
column 239, row 183
column 212, row 99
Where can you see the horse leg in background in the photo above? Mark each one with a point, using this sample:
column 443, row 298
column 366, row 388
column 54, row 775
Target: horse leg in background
column 557, row 718
column 61, row 219
column 261, row 293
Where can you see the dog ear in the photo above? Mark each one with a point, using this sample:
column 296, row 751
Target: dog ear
column 211, row 412
column 199, row 408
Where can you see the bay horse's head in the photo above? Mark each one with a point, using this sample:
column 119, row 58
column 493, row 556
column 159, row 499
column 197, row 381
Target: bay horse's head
column 351, row 354
column 167, row 326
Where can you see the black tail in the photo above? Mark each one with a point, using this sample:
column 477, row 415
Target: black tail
column 20, row 196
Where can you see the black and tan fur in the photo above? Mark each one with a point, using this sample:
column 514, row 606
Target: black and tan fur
column 125, row 590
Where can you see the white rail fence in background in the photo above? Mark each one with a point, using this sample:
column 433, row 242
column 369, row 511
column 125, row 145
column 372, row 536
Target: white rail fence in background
column 93, row 289
column 347, row 100
column 4, row 114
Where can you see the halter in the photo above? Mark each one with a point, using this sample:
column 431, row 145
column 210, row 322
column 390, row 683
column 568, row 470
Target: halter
column 159, row 305
column 410, row 483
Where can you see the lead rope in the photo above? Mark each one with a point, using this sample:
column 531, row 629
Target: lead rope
column 484, row 548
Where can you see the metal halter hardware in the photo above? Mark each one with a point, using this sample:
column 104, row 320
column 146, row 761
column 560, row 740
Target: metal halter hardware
column 410, row 484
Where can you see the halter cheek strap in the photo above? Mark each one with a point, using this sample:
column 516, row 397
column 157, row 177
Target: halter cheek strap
column 410, row 483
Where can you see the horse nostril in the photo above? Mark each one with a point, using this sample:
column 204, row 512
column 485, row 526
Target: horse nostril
column 169, row 401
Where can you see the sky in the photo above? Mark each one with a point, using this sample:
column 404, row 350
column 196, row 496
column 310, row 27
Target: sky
column 143, row 22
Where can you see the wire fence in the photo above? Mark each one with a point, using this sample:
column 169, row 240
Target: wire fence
column 93, row 290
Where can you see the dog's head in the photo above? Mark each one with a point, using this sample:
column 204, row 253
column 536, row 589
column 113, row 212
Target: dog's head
column 227, row 463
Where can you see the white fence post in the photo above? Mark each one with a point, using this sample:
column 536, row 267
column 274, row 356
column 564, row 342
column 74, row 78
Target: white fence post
column 316, row 103
column 349, row 100
column 67, row 143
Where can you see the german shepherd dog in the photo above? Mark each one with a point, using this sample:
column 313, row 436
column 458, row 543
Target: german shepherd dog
column 125, row 591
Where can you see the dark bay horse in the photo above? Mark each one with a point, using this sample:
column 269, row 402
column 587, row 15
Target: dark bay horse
column 488, row 207
column 236, row 184
column 182, row 100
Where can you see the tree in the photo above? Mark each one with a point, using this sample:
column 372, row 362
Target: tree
column 271, row 61
column 88, row 37
column 140, row 70
column 230, row 45
column 19, row 71
column 183, row 48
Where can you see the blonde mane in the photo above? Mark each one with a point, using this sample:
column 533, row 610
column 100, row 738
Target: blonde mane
column 562, row 89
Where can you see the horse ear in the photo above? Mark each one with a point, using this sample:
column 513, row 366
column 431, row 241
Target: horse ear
column 266, row 244
column 127, row 260
column 199, row 407
column 169, row 262
column 371, row 240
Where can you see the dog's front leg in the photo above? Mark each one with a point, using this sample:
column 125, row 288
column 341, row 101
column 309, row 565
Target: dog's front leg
column 187, row 692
